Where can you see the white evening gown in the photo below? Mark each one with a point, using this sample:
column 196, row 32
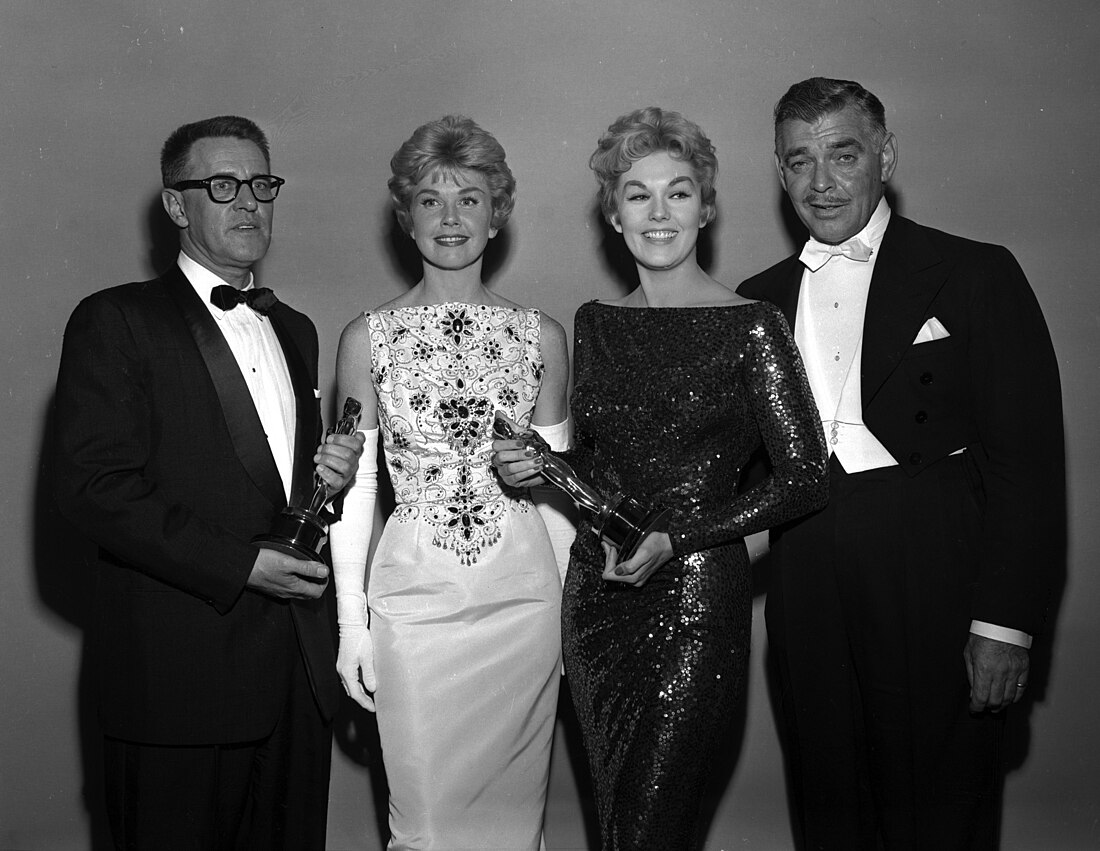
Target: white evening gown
column 464, row 593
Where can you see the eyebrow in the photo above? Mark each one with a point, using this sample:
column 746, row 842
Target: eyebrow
column 847, row 142
column 683, row 178
column 836, row 144
column 463, row 190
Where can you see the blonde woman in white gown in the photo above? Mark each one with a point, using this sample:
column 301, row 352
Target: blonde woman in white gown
column 462, row 654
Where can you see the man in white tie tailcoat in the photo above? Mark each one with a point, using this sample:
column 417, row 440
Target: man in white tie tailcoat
column 900, row 617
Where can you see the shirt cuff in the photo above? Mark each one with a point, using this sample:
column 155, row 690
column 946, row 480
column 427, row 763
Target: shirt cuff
column 1001, row 633
column 557, row 436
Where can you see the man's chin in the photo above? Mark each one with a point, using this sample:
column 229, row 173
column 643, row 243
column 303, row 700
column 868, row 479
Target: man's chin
column 831, row 231
column 250, row 251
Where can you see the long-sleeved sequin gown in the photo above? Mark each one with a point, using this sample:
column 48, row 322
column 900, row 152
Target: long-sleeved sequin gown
column 669, row 403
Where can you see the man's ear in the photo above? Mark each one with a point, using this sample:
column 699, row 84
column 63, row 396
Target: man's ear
column 173, row 206
column 779, row 171
column 888, row 157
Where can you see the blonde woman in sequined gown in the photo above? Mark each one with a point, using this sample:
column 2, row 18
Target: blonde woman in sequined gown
column 675, row 385
column 462, row 654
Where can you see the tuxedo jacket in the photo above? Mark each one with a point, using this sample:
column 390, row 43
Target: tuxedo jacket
column 164, row 463
column 990, row 387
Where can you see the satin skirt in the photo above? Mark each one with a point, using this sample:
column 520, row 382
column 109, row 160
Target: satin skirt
column 468, row 659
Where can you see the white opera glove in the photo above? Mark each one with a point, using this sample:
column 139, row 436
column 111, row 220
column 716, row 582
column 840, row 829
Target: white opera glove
column 355, row 658
column 554, row 506
column 349, row 543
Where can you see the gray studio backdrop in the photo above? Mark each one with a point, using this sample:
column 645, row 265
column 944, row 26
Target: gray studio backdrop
column 994, row 105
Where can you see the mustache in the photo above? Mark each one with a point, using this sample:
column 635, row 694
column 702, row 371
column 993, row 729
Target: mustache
column 813, row 198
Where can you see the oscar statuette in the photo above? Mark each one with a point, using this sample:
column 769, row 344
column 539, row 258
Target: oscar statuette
column 620, row 520
column 301, row 531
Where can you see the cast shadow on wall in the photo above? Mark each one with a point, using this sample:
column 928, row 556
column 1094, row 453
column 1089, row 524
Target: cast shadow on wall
column 65, row 576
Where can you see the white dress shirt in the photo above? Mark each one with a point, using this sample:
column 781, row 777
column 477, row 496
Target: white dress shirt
column 829, row 332
column 260, row 358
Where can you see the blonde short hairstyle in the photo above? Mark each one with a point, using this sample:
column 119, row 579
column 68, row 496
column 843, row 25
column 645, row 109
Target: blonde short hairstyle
column 446, row 146
column 649, row 131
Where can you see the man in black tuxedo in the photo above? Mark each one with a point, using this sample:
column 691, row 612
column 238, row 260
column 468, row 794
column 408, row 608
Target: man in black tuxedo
column 186, row 422
column 900, row 616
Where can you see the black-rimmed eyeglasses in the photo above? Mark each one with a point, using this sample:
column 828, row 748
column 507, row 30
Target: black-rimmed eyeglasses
column 223, row 188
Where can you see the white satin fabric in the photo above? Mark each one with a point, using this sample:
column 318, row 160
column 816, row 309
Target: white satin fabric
column 467, row 661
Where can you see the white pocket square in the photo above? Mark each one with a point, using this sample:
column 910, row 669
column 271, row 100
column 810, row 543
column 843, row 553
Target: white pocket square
column 316, row 393
column 931, row 330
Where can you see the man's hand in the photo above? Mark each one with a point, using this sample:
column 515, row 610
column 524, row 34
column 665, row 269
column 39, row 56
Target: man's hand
column 997, row 672
column 654, row 551
column 337, row 459
column 287, row 578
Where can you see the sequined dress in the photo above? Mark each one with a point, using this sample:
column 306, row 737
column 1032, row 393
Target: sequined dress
column 668, row 405
column 464, row 593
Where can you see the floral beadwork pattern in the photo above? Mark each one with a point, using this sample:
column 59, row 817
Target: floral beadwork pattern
column 462, row 420
column 440, row 373
column 458, row 326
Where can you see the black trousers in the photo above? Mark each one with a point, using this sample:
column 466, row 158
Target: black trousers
column 264, row 795
column 868, row 613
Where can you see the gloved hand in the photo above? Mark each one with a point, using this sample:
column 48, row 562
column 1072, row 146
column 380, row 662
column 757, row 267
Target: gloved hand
column 355, row 659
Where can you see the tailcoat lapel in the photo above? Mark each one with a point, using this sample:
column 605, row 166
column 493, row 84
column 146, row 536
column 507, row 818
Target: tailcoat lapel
column 245, row 430
column 909, row 272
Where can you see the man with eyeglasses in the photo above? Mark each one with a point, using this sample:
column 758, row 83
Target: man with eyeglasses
column 188, row 417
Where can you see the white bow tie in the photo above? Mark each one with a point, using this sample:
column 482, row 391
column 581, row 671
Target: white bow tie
column 817, row 254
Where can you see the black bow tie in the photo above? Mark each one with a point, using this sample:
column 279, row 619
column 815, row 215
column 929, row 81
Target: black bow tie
column 226, row 297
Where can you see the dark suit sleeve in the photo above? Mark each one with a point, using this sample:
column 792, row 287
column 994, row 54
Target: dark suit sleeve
column 1020, row 452
column 112, row 476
